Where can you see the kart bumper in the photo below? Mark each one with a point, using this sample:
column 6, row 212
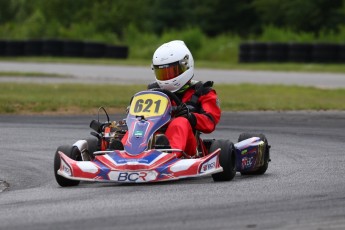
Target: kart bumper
column 106, row 169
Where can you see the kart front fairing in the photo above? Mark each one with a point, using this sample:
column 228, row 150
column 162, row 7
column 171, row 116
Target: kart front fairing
column 149, row 166
column 149, row 111
column 137, row 163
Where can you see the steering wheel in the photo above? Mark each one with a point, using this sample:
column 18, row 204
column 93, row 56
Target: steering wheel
column 171, row 95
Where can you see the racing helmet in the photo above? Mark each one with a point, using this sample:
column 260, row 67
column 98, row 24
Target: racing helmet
column 173, row 65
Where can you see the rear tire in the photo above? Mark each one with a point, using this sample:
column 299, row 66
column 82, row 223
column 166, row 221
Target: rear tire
column 226, row 159
column 261, row 170
column 73, row 153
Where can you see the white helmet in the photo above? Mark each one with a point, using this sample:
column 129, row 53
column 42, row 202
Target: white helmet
column 173, row 65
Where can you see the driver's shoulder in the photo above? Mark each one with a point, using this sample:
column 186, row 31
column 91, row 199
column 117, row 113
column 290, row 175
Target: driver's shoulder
column 153, row 85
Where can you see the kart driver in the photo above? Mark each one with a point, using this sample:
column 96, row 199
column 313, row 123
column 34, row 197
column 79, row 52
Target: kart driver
column 173, row 66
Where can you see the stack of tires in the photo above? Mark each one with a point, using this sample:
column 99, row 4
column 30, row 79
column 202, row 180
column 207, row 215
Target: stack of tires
column 73, row 49
column 52, row 48
column 33, row 48
column 325, row 53
column 61, row 48
column 2, row 48
column 341, row 53
column 252, row 52
column 14, row 48
column 277, row 52
column 300, row 52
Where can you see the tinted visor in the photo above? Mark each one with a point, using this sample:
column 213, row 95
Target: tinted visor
column 169, row 71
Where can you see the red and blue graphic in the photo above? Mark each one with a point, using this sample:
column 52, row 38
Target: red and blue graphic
column 247, row 154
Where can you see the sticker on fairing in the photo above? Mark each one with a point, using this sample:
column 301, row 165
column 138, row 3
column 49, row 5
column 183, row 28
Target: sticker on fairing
column 209, row 165
column 138, row 133
column 139, row 176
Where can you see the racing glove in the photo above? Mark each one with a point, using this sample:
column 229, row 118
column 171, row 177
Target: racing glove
column 183, row 111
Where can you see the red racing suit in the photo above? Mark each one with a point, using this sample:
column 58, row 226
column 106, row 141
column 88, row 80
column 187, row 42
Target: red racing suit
column 179, row 132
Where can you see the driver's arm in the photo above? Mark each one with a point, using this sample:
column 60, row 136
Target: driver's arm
column 209, row 116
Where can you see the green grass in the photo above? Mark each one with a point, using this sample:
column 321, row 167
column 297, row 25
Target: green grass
column 31, row 74
column 89, row 61
column 78, row 98
column 278, row 97
column 285, row 67
column 38, row 98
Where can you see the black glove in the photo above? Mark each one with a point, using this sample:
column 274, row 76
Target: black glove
column 183, row 111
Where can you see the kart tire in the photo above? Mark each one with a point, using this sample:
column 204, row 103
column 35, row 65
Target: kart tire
column 92, row 144
column 226, row 159
column 261, row 170
column 73, row 153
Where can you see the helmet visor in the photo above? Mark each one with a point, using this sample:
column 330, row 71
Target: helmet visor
column 169, row 71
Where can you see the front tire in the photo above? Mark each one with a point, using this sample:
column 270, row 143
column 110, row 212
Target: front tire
column 73, row 153
column 226, row 159
column 93, row 146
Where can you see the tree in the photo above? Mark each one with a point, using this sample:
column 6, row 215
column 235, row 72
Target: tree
column 222, row 16
column 306, row 15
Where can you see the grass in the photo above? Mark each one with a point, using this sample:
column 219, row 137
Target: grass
column 31, row 74
column 62, row 98
column 277, row 97
column 79, row 98
column 89, row 61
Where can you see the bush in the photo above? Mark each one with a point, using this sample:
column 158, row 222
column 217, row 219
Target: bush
column 222, row 48
column 274, row 34
column 141, row 44
column 193, row 37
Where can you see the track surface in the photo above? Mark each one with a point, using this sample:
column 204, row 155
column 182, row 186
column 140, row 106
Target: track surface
column 302, row 189
column 98, row 74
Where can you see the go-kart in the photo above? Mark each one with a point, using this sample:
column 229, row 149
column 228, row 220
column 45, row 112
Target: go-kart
column 144, row 158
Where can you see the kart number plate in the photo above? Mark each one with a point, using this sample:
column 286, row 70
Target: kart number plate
column 148, row 105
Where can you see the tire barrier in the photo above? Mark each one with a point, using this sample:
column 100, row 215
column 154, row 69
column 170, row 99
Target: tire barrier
column 341, row 53
column 117, row 52
column 325, row 53
column 15, row 48
column 258, row 52
column 94, row 49
column 73, row 48
column 33, row 48
column 300, row 52
column 253, row 52
column 2, row 48
column 291, row 52
column 52, row 48
column 277, row 52
column 61, row 48
column 244, row 52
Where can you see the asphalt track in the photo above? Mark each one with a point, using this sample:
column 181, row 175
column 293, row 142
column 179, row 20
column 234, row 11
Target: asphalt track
column 302, row 189
column 107, row 74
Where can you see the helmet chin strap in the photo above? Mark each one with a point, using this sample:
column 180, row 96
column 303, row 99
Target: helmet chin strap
column 184, row 88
